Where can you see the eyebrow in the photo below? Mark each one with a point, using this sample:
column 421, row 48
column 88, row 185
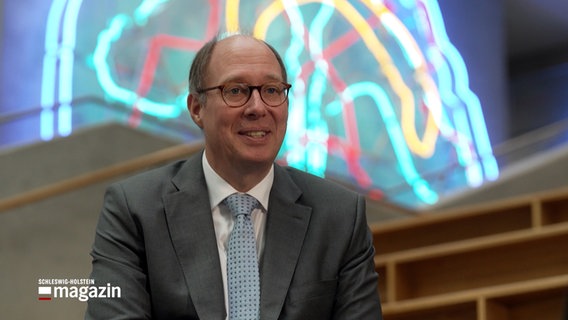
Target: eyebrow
column 240, row 79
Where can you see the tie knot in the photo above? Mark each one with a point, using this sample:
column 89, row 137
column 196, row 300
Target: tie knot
column 240, row 203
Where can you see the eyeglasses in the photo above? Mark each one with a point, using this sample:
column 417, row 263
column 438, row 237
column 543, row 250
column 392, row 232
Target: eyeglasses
column 237, row 94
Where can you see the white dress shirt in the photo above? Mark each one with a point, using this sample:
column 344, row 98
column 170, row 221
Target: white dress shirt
column 218, row 190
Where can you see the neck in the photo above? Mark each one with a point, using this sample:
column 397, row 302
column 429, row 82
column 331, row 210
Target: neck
column 243, row 180
column 242, row 177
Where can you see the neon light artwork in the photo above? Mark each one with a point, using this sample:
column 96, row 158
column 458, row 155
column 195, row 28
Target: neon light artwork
column 380, row 97
column 58, row 63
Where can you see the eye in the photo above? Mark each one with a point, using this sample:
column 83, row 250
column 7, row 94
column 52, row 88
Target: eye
column 272, row 88
column 235, row 89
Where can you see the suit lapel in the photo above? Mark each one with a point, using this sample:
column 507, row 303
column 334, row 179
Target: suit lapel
column 192, row 232
column 286, row 226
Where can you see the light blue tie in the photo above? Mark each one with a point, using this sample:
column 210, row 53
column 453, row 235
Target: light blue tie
column 242, row 263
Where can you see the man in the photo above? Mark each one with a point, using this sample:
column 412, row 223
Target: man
column 164, row 236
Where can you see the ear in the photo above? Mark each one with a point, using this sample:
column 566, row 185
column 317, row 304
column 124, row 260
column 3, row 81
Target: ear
column 194, row 108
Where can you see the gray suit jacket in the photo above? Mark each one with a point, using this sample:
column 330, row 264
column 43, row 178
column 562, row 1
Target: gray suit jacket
column 156, row 241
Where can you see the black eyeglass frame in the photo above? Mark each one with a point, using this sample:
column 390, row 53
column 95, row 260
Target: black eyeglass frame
column 287, row 87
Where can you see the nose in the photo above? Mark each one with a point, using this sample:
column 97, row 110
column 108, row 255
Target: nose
column 255, row 107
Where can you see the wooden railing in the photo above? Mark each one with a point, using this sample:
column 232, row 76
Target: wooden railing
column 504, row 260
column 90, row 178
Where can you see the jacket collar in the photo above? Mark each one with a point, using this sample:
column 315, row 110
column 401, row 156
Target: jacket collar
column 286, row 227
column 188, row 213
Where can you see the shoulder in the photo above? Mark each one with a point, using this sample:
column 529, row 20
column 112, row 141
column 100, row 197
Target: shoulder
column 189, row 169
column 335, row 209
column 155, row 176
column 318, row 188
column 143, row 192
column 308, row 180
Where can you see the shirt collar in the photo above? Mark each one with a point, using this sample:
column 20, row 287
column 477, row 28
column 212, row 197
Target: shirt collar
column 219, row 189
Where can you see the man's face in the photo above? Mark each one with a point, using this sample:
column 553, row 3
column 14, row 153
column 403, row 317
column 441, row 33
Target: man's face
column 247, row 137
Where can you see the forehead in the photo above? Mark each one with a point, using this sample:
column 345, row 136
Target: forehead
column 241, row 57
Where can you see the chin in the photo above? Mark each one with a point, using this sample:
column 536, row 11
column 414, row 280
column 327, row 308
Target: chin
column 259, row 159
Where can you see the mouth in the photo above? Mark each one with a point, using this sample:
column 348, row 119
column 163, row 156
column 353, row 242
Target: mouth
column 255, row 133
